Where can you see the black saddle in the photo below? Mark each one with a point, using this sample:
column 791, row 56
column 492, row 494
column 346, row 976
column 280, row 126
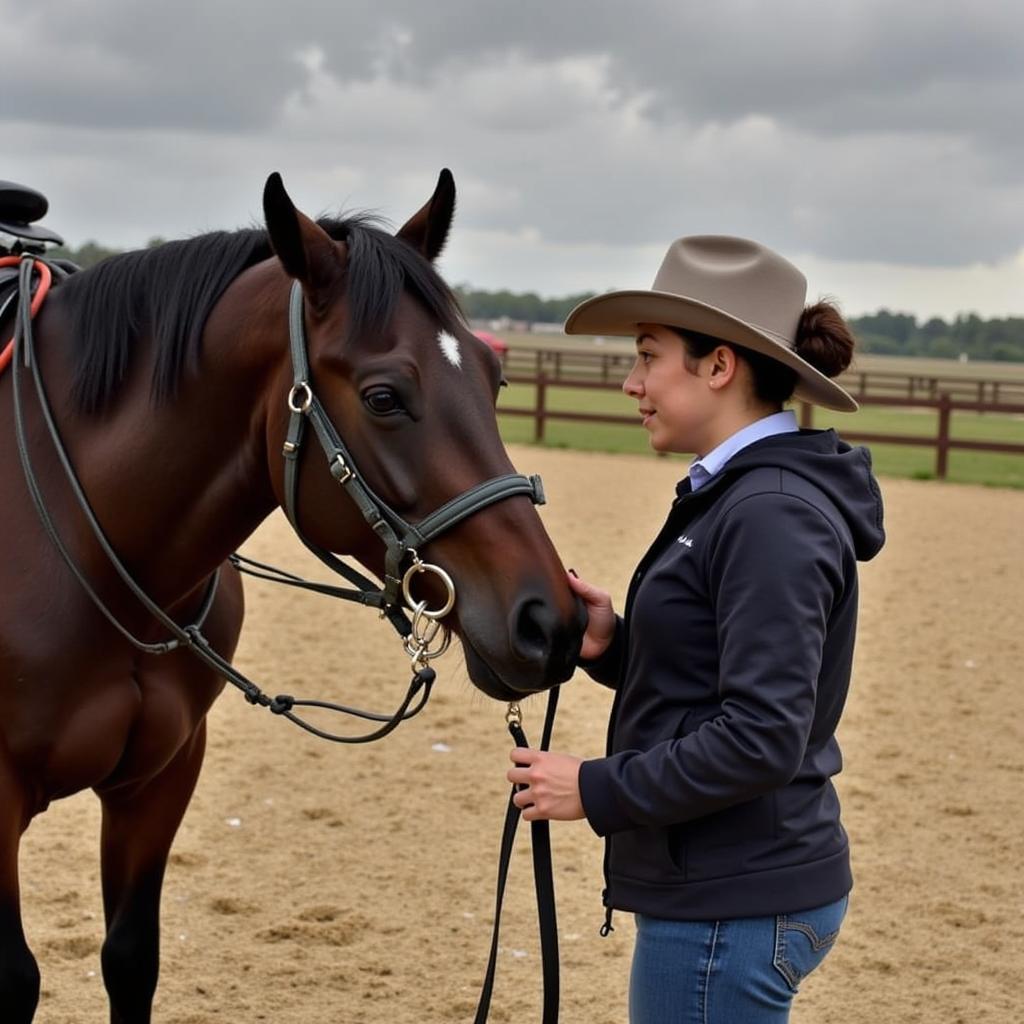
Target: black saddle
column 20, row 207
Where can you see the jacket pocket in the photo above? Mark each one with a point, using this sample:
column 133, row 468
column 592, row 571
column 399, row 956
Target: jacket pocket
column 721, row 843
column 644, row 855
column 674, row 837
column 740, row 823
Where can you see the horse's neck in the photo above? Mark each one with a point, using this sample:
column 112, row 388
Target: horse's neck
column 184, row 483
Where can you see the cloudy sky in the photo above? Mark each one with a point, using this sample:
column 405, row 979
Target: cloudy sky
column 879, row 145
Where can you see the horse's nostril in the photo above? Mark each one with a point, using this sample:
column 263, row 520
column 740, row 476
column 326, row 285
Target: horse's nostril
column 533, row 626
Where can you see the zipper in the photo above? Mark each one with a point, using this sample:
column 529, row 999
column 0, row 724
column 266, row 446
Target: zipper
column 608, row 911
column 607, row 926
column 670, row 526
column 684, row 509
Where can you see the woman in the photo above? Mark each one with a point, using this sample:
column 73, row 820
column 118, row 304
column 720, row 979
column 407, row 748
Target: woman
column 731, row 662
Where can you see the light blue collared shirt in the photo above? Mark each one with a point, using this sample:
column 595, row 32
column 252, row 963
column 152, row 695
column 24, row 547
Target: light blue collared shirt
column 706, row 467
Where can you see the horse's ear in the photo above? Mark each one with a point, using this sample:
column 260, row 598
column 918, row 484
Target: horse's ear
column 305, row 250
column 427, row 230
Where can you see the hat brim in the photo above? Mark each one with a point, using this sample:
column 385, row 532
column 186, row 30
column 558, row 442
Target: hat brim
column 619, row 313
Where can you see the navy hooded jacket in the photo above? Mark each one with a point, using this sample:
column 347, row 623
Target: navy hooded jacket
column 731, row 666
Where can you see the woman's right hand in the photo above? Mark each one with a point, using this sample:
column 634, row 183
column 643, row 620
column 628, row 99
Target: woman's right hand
column 600, row 617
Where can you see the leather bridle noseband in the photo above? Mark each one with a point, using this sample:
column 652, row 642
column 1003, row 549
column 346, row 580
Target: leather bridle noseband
column 426, row 637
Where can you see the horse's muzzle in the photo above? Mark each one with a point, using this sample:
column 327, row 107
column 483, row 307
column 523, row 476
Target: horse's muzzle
column 541, row 651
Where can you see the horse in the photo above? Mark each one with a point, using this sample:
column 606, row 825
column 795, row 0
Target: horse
column 169, row 380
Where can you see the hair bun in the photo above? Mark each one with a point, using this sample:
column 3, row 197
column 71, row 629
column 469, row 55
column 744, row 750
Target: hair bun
column 824, row 339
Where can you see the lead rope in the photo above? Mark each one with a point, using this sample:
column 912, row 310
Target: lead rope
column 540, row 835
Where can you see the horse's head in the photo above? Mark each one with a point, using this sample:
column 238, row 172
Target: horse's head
column 411, row 392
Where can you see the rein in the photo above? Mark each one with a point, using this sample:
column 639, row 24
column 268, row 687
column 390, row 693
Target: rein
column 399, row 536
column 45, row 279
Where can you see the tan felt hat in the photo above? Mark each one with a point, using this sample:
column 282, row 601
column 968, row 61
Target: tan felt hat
column 730, row 288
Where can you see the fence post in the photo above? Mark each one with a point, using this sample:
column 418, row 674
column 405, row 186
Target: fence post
column 538, row 420
column 942, row 444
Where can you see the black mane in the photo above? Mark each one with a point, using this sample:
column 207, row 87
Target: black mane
column 168, row 292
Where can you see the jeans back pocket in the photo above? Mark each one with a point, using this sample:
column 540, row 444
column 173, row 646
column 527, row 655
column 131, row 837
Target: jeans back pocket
column 803, row 940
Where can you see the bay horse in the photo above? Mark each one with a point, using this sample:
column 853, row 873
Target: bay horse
column 169, row 377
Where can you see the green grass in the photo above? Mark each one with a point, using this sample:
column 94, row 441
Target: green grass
column 993, row 469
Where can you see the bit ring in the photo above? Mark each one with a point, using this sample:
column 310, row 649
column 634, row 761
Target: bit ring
column 419, row 606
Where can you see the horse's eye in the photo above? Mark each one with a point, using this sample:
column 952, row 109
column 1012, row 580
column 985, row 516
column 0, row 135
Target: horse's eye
column 382, row 401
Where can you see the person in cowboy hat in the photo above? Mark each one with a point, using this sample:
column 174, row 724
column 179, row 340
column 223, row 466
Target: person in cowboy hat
column 731, row 662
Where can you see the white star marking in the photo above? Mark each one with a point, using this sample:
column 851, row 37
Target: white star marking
column 450, row 348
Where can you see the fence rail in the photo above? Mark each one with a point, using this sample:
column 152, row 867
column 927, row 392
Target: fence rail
column 945, row 403
column 611, row 367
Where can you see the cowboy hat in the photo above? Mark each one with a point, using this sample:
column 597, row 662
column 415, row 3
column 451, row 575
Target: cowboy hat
column 729, row 288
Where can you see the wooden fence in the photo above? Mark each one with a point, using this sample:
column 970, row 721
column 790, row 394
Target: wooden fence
column 945, row 403
column 612, row 366
column 943, row 442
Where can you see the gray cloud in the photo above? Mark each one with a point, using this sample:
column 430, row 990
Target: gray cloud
column 860, row 130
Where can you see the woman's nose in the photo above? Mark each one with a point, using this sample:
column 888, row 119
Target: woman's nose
column 632, row 386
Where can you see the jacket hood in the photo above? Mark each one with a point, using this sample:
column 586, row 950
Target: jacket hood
column 839, row 470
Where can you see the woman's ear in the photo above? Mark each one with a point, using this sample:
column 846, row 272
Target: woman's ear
column 722, row 363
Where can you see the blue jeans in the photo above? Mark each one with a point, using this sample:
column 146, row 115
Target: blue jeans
column 742, row 971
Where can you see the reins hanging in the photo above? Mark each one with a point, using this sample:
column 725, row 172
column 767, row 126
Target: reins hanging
column 45, row 280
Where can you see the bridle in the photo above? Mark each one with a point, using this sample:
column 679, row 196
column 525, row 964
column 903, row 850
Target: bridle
column 400, row 538
column 425, row 638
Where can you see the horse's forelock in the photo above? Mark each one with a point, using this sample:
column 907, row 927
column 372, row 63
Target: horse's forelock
column 380, row 268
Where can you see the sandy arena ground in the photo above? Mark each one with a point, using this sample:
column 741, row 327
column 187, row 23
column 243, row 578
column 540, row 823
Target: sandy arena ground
column 312, row 882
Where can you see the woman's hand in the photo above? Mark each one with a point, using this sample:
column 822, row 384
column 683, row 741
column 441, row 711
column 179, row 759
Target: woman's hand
column 600, row 617
column 552, row 784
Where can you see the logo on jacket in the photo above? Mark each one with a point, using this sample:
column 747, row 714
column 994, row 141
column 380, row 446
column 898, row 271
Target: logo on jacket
column 688, row 541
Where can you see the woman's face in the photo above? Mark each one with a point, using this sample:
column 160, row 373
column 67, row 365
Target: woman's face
column 675, row 403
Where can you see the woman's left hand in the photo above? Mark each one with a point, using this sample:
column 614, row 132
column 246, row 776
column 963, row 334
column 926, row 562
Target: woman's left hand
column 552, row 784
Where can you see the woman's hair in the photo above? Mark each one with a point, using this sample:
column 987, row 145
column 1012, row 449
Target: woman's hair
column 823, row 339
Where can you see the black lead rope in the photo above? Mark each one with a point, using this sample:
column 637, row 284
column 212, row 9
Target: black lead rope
column 540, row 835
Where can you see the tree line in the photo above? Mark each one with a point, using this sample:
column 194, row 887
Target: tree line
column 88, row 254
column 884, row 332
